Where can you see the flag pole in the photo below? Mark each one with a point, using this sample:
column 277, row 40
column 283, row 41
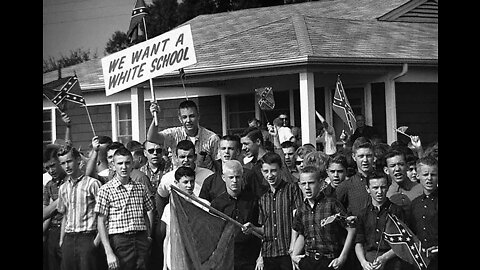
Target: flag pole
column 182, row 74
column 152, row 92
column 221, row 214
column 90, row 119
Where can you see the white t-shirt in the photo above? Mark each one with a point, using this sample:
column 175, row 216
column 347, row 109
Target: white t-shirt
column 169, row 179
column 46, row 177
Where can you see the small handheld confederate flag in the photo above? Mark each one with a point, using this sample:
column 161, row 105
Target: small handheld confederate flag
column 404, row 243
column 342, row 107
column 265, row 98
column 138, row 13
column 63, row 90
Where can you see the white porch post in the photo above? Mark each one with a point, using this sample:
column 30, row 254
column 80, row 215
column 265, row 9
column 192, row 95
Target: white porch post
column 292, row 107
column 391, row 110
column 223, row 102
column 138, row 114
column 367, row 97
column 113, row 107
column 328, row 106
column 307, row 107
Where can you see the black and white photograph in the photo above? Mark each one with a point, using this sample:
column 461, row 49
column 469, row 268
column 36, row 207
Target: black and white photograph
column 242, row 135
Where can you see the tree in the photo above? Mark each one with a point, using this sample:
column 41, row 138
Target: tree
column 162, row 17
column 117, row 42
column 76, row 56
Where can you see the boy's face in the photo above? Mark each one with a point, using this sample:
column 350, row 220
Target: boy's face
column 53, row 168
column 249, row 147
column 309, row 185
column 186, row 183
column 188, row 117
column 153, row 152
column 123, row 165
column 377, row 188
column 233, row 179
column 396, row 168
column 412, row 173
column 186, row 158
column 364, row 159
column 69, row 164
column 428, row 176
column 337, row 173
column 270, row 172
column 228, row 150
column 288, row 153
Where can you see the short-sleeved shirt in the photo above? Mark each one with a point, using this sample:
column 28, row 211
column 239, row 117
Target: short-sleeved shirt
column 307, row 220
column 206, row 144
column 276, row 214
column 50, row 193
column 169, row 179
column 77, row 200
column 424, row 219
column 371, row 225
column 155, row 176
column 124, row 206
column 352, row 193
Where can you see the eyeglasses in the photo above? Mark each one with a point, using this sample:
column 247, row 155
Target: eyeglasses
column 156, row 150
column 298, row 162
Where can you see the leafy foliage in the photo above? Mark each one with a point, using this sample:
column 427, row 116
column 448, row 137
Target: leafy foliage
column 76, row 56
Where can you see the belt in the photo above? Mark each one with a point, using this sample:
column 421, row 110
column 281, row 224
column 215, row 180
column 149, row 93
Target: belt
column 131, row 232
column 317, row 256
column 81, row 233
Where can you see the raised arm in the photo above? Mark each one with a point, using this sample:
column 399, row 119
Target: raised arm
column 68, row 123
column 152, row 133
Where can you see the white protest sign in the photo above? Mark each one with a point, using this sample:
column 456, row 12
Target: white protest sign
column 162, row 54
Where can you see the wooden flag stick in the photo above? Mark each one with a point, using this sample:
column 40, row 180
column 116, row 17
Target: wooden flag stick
column 217, row 212
column 401, row 132
column 89, row 118
column 152, row 92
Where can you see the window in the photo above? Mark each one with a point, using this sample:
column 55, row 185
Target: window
column 240, row 108
column 124, row 118
column 47, row 127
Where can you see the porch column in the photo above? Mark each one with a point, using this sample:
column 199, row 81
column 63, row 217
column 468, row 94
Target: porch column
column 307, row 107
column 391, row 110
column 223, row 101
column 138, row 114
column 367, row 97
column 292, row 107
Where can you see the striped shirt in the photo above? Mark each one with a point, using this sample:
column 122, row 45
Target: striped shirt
column 327, row 239
column 206, row 144
column 276, row 214
column 124, row 206
column 77, row 199
column 50, row 194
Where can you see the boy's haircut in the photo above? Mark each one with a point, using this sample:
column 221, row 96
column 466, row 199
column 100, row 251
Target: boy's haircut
column 411, row 160
column 115, row 145
column 51, row 151
column 288, row 144
column 184, row 171
column 376, row 174
column 303, row 150
column 185, row 145
column 138, row 153
column 338, row 158
column 122, row 151
column 133, row 145
column 65, row 149
column 233, row 138
column 426, row 160
column 392, row 152
column 253, row 133
column 312, row 169
column 104, row 139
column 318, row 159
column 272, row 157
column 361, row 142
column 250, row 120
column 187, row 104
column 232, row 165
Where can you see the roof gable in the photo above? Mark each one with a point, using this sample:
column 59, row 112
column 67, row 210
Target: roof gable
column 423, row 11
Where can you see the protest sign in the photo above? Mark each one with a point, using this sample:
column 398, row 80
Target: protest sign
column 162, row 54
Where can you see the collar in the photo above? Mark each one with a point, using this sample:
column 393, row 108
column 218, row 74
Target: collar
column 117, row 183
column 406, row 185
column 199, row 131
column 151, row 170
column 384, row 206
column 316, row 199
column 432, row 195
column 280, row 186
column 75, row 180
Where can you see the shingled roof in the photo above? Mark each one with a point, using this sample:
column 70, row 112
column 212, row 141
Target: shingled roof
column 312, row 32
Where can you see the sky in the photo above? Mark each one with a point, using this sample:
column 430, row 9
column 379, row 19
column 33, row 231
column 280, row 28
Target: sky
column 69, row 25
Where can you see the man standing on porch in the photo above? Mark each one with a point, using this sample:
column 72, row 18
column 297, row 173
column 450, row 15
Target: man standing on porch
column 206, row 141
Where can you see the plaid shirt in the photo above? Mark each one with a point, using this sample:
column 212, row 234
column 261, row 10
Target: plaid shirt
column 77, row 198
column 327, row 239
column 206, row 144
column 353, row 195
column 124, row 208
column 50, row 193
column 276, row 214
column 154, row 176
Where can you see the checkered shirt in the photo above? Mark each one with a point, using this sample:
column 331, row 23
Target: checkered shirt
column 124, row 209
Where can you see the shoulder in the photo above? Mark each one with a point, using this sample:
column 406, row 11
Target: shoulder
column 202, row 172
